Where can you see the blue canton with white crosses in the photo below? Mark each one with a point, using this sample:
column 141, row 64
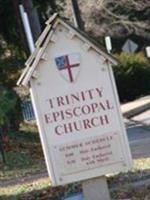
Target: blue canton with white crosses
column 60, row 62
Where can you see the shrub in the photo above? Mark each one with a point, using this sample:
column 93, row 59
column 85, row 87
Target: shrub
column 132, row 76
column 8, row 103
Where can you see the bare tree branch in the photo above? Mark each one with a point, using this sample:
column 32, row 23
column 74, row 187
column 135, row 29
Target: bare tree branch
column 115, row 17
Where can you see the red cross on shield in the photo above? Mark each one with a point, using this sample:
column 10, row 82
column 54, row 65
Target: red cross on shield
column 68, row 66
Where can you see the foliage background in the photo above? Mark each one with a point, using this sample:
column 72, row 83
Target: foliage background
column 132, row 76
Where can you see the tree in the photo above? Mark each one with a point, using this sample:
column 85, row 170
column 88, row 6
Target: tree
column 115, row 18
column 33, row 18
column 78, row 22
column 132, row 76
column 8, row 101
column 19, row 24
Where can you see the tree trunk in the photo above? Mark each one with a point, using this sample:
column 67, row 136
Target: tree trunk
column 53, row 5
column 77, row 15
column 19, row 23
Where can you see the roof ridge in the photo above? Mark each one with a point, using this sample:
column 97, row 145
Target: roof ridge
column 50, row 24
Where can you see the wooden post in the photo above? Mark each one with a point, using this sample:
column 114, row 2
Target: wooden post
column 19, row 24
column 2, row 149
column 96, row 189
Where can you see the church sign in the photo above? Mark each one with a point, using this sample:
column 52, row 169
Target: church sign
column 76, row 105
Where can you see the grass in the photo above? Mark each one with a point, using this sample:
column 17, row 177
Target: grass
column 41, row 189
column 19, row 190
column 141, row 164
column 41, row 192
column 142, row 193
column 140, row 171
column 24, row 156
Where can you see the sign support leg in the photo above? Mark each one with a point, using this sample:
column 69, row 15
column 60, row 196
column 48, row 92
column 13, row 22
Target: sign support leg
column 96, row 189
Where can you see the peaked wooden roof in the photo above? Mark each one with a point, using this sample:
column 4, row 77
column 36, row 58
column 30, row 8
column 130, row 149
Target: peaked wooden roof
column 42, row 43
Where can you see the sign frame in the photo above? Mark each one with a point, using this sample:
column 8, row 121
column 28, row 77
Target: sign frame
column 49, row 160
column 33, row 76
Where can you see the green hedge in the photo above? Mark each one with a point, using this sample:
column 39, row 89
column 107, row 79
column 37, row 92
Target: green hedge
column 132, row 76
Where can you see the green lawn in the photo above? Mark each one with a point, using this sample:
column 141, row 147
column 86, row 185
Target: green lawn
column 41, row 188
column 24, row 156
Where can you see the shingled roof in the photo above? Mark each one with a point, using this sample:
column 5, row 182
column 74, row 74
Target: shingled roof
column 43, row 41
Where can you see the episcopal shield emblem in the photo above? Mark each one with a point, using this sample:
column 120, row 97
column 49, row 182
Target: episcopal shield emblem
column 68, row 66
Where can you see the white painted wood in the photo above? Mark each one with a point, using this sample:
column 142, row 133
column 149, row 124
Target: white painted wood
column 54, row 38
column 31, row 70
column 79, row 122
column 44, row 56
column 28, row 65
column 35, row 74
column 96, row 189
column 39, row 54
column 47, row 39
column 86, row 46
column 50, row 85
column 43, row 138
column 29, row 62
column 43, row 35
column 52, row 18
column 71, row 34
column 19, row 82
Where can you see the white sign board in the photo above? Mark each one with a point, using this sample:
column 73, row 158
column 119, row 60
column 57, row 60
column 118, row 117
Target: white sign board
column 77, row 111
